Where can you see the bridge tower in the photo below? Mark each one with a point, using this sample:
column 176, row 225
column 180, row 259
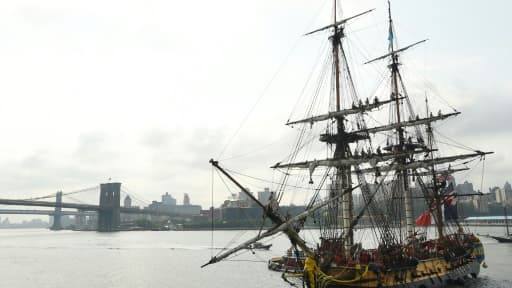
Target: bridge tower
column 109, row 214
column 57, row 224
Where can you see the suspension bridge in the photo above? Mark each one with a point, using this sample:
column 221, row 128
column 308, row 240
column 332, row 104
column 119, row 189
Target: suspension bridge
column 108, row 211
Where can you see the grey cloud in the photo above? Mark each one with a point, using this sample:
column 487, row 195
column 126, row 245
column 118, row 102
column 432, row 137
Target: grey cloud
column 487, row 115
column 485, row 124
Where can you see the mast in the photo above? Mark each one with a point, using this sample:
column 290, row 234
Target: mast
column 402, row 175
column 343, row 175
column 336, row 41
column 438, row 201
column 506, row 220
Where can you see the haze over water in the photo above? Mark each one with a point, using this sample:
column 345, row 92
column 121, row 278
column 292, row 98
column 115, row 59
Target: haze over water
column 42, row 258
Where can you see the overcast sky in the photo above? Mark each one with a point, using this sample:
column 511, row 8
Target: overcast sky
column 146, row 92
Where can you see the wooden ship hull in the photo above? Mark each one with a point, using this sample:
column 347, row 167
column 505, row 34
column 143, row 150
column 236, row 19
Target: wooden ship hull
column 433, row 272
column 428, row 273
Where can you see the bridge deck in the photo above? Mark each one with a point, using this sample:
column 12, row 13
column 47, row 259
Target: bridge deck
column 83, row 207
column 44, row 212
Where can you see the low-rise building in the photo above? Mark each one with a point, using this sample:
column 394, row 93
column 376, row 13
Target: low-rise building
column 169, row 206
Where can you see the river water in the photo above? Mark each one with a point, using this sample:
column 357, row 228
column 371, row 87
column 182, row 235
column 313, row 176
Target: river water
column 42, row 258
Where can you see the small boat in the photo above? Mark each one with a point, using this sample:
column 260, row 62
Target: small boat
column 290, row 262
column 507, row 238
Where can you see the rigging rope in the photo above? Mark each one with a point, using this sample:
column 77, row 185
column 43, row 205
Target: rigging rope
column 302, row 93
column 76, row 200
column 82, row 190
column 462, row 146
column 271, row 182
column 236, row 237
column 212, row 210
column 63, row 194
column 266, row 88
column 42, row 197
column 134, row 195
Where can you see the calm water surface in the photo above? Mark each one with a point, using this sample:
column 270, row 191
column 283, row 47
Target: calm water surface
column 42, row 258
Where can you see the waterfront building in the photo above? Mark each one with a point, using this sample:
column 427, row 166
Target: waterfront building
column 167, row 199
column 487, row 220
column 501, row 197
column 483, row 206
column 127, row 201
column 508, row 190
column 481, row 202
column 465, row 188
column 186, row 199
column 240, row 214
column 264, row 195
column 168, row 205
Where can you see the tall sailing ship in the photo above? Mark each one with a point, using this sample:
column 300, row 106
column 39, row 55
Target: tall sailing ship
column 407, row 254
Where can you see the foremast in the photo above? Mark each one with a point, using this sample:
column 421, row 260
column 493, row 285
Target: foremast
column 402, row 175
column 343, row 179
column 400, row 148
column 338, row 138
column 404, row 149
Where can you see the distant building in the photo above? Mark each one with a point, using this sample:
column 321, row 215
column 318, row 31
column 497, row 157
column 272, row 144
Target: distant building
column 169, row 206
column 264, row 195
column 508, row 190
column 127, row 201
column 186, row 210
column 255, row 213
column 240, row 200
column 486, row 220
column 167, row 199
column 491, row 196
column 216, row 213
column 483, row 205
column 500, row 195
column 244, row 199
column 186, row 199
column 465, row 188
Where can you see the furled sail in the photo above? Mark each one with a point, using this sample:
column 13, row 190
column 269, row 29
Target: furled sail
column 414, row 122
column 361, row 108
column 372, row 159
column 395, row 52
column 427, row 163
column 442, row 172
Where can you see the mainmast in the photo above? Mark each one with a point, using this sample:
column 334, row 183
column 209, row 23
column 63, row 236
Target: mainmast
column 338, row 137
column 336, row 42
column 402, row 175
column 341, row 150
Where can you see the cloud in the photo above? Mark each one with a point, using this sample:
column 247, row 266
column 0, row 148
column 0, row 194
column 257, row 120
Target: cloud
column 145, row 94
column 487, row 115
column 485, row 124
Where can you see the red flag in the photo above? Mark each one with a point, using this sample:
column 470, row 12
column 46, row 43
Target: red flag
column 425, row 219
